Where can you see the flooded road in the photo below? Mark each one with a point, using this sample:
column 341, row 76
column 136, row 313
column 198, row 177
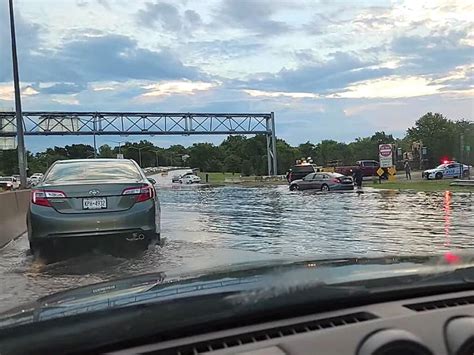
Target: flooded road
column 211, row 226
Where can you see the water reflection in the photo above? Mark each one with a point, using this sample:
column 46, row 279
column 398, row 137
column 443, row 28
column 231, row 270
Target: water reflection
column 225, row 225
column 447, row 217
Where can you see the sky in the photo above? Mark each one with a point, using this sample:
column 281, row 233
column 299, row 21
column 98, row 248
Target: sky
column 329, row 69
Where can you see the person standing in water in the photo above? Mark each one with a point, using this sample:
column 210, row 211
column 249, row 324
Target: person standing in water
column 407, row 169
column 358, row 177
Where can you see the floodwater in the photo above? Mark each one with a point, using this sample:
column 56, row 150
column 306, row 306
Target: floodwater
column 206, row 227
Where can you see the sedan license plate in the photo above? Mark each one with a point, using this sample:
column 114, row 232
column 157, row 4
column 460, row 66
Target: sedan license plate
column 94, row 203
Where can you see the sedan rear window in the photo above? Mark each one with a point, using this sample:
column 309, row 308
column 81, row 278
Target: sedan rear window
column 92, row 170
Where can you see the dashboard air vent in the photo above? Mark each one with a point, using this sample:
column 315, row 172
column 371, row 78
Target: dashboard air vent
column 262, row 335
column 433, row 305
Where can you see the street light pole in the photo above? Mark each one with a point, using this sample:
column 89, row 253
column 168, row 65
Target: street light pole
column 19, row 117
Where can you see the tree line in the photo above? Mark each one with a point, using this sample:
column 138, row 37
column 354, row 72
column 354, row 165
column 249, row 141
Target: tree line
column 248, row 155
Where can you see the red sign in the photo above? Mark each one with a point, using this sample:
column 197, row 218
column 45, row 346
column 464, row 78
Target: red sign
column 385, row 150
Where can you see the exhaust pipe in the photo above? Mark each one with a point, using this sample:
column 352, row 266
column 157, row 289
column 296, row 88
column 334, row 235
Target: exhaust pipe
column 135, row 237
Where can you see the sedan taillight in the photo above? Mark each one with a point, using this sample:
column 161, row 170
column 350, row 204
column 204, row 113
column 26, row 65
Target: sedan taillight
column 142, row 193
column 41, row 197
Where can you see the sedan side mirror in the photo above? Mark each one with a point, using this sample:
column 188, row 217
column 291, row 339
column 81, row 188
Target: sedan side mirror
column 153, row 181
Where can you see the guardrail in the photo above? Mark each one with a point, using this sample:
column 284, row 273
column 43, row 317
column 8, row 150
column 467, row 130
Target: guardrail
column 13, row 207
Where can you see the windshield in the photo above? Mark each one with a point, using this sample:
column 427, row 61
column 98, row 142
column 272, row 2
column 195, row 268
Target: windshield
column 184, row 138
column 92, row 170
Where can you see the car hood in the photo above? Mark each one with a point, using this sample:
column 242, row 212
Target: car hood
column 275, row 275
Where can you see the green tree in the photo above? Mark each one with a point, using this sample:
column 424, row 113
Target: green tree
column 205, row 156
column 232, row 163
column 437, row 133
column 105, row 151
column 465, row 129
column 307, row 150
column 79, row 151
column 330, row 150
column 286, row 155
column 247, row 168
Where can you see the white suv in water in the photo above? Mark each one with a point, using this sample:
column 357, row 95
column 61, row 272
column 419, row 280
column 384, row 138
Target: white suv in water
column 190, row 179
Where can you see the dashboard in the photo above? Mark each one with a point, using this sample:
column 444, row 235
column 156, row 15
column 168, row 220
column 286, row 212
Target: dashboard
column 442, row 324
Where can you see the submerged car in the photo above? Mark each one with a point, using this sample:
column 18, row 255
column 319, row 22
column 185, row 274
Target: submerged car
column 447, row 170
column 384, row 305
column 323, row 182
column 100, row 198
column 189, row 179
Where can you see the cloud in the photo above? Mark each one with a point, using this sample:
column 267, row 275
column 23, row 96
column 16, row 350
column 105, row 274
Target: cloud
column 62, row 88
column 7, row 91
column 104, row 3
column 176, row 87
column 433, row 53
column 27, row 34
column 224, row 49
column 66, row 100
column 160, row 13
column 101, row 58
column 168, row 18
column 82, row 3
column 251, row 16
column 293, row 95
column 340, row 70
column 390, row 87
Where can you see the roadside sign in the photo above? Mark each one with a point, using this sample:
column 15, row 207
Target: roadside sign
column 392, row 170
column 380, row 171
column 385, row 155
column 119, row 156
column 468, row 148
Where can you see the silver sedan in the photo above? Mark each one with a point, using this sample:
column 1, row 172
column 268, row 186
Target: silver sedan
column 324, row 182
column 82, row 200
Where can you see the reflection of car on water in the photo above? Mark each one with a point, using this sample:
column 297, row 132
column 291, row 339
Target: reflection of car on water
column 375, row 305
column 81, row 199
column 450, row 169
column 189, row 179
column 324, row 182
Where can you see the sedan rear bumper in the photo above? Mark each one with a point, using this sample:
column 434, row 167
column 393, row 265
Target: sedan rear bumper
column 46, row 223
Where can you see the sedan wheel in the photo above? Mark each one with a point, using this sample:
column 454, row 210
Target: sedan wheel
column 438, row 176
column 325, row 187
column 294, row 187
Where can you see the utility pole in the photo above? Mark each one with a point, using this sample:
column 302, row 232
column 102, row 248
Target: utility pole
column 461, row 156
column 19, row 117
column 95, row 142
column 156, row 155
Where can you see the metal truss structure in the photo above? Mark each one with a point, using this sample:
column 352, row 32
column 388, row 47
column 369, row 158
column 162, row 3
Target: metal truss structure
column 144, row 123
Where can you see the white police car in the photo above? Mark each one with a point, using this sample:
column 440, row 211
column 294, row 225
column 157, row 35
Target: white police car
column 449, row 169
